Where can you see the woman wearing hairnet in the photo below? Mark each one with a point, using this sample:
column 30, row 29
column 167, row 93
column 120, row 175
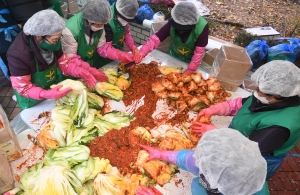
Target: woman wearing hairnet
column 117, row 31
column 270, row 116
column 84, row 35
column 224, row 161
column 189, row 34
column 35, row 57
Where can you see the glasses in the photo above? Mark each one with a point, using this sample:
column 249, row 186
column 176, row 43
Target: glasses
column 54, row 41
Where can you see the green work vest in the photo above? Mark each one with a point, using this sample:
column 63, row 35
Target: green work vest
column 88, row 53
column 185, row 51
column 247, row 122
column 43, row 79
column 118, row 34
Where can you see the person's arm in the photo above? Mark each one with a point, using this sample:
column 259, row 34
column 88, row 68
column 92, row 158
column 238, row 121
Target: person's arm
column 69, row 44
column 153, row 42
column 202, row 40
column 186, row 161
column 270, row 139
column 164, row 32
column 129, row 41
column 21, row 80
column 106, row 50
column 199, row 51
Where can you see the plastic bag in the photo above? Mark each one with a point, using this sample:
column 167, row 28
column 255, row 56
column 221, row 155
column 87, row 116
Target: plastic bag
column 4, row 68
column 295, row 46
column 159, row 17
column 257, row 51
column 274, row 163
column 281, row 52
column 144, row 12
column 169, row 3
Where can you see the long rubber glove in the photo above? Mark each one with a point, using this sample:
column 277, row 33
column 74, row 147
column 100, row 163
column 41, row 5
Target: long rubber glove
column 26, row 88
column 129, row 41
column 201, row 128
column 39, row 93
column 227, row 108
column 143, row 190
column 151, row 44
column 74, row 69
column 98, row 74
column 108, row 51
column 169, row 156
column 196, row 59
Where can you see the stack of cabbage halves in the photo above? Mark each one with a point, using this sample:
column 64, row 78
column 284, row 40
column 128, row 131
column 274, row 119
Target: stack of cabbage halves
column 68, row 168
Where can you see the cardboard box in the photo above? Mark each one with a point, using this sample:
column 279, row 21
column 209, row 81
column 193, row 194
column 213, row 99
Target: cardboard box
column 208, row 60
column 8, row 140
column 6, row 176
column 163, row 46
column 231, row 66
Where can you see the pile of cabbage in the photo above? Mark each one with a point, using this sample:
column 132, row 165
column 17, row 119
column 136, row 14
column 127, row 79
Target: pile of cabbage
column 63, row 171
column 67, row 167
column 76, row 118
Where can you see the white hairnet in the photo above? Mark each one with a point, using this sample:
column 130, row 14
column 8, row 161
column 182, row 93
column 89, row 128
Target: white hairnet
column 231, row 162
column 185, row 13
column 97, row 11
column 45, row 22
column 278, row 77
column 127, row 8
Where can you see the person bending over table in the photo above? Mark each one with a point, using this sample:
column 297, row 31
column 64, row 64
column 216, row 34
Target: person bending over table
column 189, row 36
column 270, row 116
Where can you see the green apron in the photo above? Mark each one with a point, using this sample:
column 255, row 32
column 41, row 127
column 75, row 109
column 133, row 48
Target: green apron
column 118, row 34
column 43, row 79
column 185, row 51
column 88, row 53
column 247, row 122
column 57, row 7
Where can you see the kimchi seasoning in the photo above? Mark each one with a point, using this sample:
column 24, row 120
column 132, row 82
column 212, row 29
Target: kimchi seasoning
column 120, row 147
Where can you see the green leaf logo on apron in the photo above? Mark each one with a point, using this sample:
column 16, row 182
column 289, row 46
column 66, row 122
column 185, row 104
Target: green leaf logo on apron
column 121, row 40
column 50, row 74
column 90, row 53
column 183, row 50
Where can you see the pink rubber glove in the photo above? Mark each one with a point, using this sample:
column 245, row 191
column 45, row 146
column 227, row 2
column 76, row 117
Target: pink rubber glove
column 39, row 93
column 151, row 44
column 128, row 40
column 196, row 59
column 79, row 72
column 98, row 74
column 143, row 190
column 227, row 108
column 201, row 128
column 169, row 156
column 72, row 66
column 108, row 51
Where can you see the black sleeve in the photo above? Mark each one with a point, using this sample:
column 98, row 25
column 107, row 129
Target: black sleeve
column 108, row 33
column 203, row 37
column 270, row 139
column 244, row 100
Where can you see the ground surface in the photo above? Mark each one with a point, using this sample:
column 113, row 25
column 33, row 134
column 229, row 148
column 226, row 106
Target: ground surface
column 282, row 15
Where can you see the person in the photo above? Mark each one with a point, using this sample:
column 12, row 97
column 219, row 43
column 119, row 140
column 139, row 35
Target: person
column 117, row 31
column 8, row 31
column 36, row 61
column 84, row 33
column 189, row 34
column 224, row 161
column 269, row 116
column 23, row 10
